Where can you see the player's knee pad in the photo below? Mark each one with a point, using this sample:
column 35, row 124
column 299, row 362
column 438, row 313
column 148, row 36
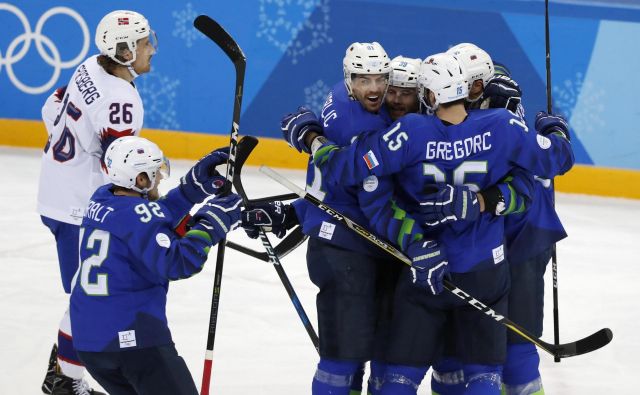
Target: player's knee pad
column 483, row 379
column 376, row 377
column 521, row 365
column 402, row 380
column 447, row 378
column 333, row 377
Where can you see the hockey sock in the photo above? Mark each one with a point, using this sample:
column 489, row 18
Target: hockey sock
column 376, row 377
column 68, row 359
column 333, row 377
column 358, row 378
column 483, row 379
column 402, row 380
column 447, row 378
column 521, row 375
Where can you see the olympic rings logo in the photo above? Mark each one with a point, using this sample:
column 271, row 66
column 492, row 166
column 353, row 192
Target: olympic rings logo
column 10, row 58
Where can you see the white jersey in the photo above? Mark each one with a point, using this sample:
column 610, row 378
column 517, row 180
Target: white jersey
column 95, row 108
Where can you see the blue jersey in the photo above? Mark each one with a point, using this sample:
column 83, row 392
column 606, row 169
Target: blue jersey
column 420, row 150
column 536, row 230
column 343, row 118
column 129, row 253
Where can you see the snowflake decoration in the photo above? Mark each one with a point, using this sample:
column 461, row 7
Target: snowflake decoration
column 183, row 25
column 586, row 118
column 277, row 27
column 315, row 95
column 158, row 93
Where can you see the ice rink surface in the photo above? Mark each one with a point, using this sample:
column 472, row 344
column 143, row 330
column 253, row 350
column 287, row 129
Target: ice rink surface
column 261, row 347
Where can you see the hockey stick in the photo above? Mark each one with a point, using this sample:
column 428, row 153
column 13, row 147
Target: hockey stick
column 554, row 257
column 245, row 146
column 292, row 241
column 218, row 35
column 590, row 343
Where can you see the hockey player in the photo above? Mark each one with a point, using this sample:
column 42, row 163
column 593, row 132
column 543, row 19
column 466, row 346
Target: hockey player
column 447, row 144
column 99, row 104
column 530, row 237
column 479, row 69
column 355, row 282
column 129, row 253
column 402, row 95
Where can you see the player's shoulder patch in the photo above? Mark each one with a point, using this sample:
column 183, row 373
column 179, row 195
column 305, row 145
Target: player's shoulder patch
column 543, row 141
column 163, row 240
column 370, row 160
column 370, row 183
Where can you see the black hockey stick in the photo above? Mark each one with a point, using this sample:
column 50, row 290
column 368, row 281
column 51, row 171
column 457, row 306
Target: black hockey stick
column 245, row 146
column 218, row 35
column 590, row 343
column 554, row 257
column 292, row 241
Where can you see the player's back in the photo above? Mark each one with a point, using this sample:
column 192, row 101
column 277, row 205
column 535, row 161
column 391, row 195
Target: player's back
column 94, row 107
column 476, row 153
column 115, row 289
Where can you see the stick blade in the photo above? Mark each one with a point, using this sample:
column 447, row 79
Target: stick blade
column 217, row 34
column 243, row 150
column 583, row 346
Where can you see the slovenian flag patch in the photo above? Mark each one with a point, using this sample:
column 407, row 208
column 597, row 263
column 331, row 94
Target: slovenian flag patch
column 371, row 160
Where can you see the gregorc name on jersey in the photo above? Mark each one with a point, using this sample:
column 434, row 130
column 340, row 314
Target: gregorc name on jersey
column 86, row 86
column 97, row 211
column 449, row 150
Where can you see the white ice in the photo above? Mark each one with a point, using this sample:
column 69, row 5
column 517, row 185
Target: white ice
column 261, row 346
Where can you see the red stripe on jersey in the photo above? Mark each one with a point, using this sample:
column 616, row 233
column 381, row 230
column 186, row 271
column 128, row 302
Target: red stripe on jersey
column 115, row 134
column 61, row 333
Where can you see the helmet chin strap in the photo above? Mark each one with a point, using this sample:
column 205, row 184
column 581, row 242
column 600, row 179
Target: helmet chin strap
column 132, row 71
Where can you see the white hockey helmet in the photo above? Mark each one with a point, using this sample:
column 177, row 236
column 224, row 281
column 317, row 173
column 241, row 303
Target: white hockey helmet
column 404, row 72
column 476, row 62
column 129, row 156
column 119, row 31
column 364, row 58
column 443, row 75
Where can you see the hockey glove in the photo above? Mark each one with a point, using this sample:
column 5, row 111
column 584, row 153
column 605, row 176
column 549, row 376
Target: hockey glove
column 547, row 124
column 502, row 92
column 445, row 203
column 203, row 180
column 429, row 265
column 217, row 217
column 296, row 126
column 274, row 217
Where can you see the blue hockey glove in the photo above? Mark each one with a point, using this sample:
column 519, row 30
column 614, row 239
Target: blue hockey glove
column 549, row 123
column 295, row 127
column 502, row 92
column 429, row 265
column 275, row 217
column 203, row 180
column 445, row 203
column 218, row 216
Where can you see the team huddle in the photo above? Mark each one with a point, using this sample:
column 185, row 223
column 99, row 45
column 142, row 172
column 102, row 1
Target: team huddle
column 433, row 155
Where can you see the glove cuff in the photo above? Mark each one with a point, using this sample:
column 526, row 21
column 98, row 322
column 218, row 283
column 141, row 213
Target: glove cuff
column 493, row 200
column 290, row 218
